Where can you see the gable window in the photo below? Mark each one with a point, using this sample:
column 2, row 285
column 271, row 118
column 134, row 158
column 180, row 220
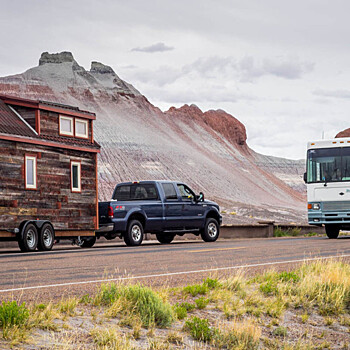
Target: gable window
column 75, row 174
column 30, row 172
column 81, row 128
column 66, row 126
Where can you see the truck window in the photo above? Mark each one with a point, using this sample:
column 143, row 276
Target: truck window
column 186, row 193
column 136, row 192
column 169, row 191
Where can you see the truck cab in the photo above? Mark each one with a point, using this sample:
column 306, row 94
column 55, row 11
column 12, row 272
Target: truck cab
column 328, row 184
column 163, row 208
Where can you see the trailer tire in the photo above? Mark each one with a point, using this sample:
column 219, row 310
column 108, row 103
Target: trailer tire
column 134, row 234
column 332, row 231
column 87, row 242
column 28, row 240
column 165, row 238
column 46, row 237
column 211, row 230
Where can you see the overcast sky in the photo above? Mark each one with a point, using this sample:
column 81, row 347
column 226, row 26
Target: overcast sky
column 280, row 67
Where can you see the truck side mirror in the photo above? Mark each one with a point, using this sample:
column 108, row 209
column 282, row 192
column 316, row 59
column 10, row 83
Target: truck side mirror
column 305, row 177
column 201, row 197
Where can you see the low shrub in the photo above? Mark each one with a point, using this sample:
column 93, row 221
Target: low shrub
column 180, row 312
column 12, row 314
column 202, row 302
column 199, row 329
column 196, row 289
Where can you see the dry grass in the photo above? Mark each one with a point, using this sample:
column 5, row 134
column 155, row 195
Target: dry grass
column 307, row 308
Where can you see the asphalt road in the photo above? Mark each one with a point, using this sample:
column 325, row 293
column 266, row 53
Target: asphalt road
column 76, row 271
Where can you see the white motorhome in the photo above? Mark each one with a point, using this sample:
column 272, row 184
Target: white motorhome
column 328, row 184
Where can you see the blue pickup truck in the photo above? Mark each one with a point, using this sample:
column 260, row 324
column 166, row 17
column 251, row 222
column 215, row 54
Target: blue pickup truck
column 163, row 208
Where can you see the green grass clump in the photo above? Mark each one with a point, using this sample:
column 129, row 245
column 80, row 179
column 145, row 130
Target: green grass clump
column 188, row 306
column 12, row 314
column 196, row 289
column 280, row 331
column 211, row 283
column 199, row 329
column 137, row 300
column 278, row 232
column 201, row 303
column 180, row 312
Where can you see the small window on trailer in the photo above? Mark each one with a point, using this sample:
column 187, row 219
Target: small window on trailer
column 81, row 128
column 66, row 126
column 30, row 172
column 75, row 173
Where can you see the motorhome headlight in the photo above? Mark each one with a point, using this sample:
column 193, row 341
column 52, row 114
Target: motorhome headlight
column 316, row 206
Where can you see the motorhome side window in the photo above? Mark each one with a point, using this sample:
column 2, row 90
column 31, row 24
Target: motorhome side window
column 169, row 191
column 75, row 176
column 30, row 172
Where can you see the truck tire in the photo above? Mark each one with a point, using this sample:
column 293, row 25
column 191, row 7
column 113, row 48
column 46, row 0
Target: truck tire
column 134, row 234
column 211, row 230
column 332, row 231
column 165, row 238
column 46, row 237
column 86, row 242
column 28, row 241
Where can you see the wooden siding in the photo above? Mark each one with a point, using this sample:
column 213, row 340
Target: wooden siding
column 53, row 199
column 49, row 124
column 27, row 114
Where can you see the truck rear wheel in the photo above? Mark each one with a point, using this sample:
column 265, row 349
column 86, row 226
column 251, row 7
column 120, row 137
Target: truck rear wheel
column 28, row 241
column 165, row 238
column 134, row 233
column 332, row 231
column 46, row 237
column 211, row 230
column 86, row 242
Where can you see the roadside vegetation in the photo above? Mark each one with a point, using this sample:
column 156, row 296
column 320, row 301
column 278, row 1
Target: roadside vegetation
column 304, row 308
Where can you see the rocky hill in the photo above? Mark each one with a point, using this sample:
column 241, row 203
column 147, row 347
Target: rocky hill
column 207, row 150
column 344, row 133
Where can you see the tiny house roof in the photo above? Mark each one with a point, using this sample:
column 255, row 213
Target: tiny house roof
column 14, row 128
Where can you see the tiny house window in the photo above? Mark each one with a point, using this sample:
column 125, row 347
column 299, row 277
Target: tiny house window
column 30, row 172
column 81, row 128
column 66, row 126
column 75, row 168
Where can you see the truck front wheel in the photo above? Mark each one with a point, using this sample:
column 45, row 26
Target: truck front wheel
column 29, row 239
column 211, row 230
column 165, row 238
column 134, row 234
column 332, row 231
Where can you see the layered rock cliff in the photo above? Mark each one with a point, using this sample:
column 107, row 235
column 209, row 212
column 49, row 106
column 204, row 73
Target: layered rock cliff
column 208, row 150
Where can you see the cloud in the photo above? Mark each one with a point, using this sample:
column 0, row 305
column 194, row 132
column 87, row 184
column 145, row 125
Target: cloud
column 343, row 94
column 158, row 47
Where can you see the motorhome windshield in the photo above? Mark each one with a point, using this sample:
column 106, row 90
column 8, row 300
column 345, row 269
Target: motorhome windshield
column 328, row 165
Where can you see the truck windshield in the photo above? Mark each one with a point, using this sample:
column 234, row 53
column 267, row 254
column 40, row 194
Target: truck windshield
column 135, row 192
column 328, row 165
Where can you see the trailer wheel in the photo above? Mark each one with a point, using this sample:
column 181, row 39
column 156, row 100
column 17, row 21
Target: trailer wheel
column 211, row 230
column 165, row 238
column 86, row 242
column 134, row 233
column 28, row 240
column 332, row 231
column 46, row 237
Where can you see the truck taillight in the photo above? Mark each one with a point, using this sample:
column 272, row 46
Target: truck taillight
column 110, row 212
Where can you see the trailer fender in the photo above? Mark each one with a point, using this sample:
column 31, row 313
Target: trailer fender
column 37, row 223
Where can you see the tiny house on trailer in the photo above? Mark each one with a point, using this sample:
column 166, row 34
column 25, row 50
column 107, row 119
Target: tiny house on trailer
column 48, row 174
